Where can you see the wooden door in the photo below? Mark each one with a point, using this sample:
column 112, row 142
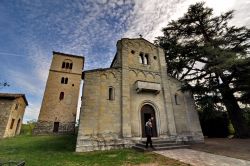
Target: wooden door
column 147, row 111
column 56, row 127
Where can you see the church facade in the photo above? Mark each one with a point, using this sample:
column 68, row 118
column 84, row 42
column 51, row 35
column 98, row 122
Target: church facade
column 117, row 101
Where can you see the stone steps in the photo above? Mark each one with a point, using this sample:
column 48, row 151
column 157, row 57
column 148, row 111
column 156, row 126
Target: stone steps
column 159, row 145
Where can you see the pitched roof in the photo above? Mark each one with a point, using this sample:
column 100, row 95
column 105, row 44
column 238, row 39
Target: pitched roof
column 13, row 96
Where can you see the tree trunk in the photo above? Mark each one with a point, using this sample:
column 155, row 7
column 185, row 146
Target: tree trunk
column 235, row 113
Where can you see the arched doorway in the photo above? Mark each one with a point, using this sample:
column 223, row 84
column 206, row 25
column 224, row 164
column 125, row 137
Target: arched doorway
column 147, row 111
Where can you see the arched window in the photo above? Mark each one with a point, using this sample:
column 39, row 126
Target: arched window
column 62, row 80
column 141, row 58
column 111, row 93
column 176, row 99
column 63, row 65
column 61, row 96
column 67, row 64
column 146, row 59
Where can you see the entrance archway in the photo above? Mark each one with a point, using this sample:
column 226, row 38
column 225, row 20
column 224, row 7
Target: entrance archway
column 147, row 111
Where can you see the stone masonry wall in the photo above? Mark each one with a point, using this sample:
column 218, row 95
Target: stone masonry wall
column 46, row 127
column 100, row 118
column 9, row 112
column 108, row 124
column 5, row 108
column 54, row 109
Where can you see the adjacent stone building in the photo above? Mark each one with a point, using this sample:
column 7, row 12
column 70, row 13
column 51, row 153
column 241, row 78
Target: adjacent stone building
column 59, row 105
column 117, row 101
column 12, row 108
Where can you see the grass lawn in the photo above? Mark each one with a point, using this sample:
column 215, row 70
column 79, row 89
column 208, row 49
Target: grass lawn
column 59, row 150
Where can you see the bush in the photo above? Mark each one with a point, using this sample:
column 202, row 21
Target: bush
column 214, row 123
column 247, row 115
column 28, row 128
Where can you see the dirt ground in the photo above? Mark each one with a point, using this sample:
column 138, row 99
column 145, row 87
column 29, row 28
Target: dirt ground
column 236, row 148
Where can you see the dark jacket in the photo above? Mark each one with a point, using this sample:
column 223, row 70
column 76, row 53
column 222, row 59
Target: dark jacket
column 148, row 131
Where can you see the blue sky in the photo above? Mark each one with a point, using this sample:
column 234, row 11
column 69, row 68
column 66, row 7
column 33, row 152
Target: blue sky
column 31, row 29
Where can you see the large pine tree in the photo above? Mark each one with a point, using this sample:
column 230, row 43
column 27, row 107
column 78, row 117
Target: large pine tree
column 212, row 57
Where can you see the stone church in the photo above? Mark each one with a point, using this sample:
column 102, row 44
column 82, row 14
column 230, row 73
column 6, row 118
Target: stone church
column 117, row 101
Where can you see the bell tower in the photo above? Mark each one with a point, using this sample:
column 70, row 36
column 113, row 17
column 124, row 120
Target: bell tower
column 59, row 105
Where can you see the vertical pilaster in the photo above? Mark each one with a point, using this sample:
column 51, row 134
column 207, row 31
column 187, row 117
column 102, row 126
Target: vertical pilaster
column 166, row 93
column 125, row 90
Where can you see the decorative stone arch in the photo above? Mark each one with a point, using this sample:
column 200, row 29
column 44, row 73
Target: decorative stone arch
column 142, row 74
column 157, row 76
column 150, row 47
column 112, row 75
column 133, row 72
column 156, row 118
column 150, row 76
column 104, row 76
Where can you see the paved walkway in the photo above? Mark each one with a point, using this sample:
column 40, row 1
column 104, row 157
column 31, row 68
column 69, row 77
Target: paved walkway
column 198, row 158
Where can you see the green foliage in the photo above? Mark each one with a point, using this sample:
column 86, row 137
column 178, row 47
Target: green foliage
column 214, row 123
column 59, row 150
column 231, row 129
column 27, row 129
column 212, row 59
column 247, row 115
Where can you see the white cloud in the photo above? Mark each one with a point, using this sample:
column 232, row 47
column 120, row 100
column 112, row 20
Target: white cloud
column 40, row 60
column 92, row 28
column 31, row 112
column 23, row 81
column 150, row 16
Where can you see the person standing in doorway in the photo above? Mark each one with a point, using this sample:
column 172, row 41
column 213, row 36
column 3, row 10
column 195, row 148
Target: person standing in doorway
column 149, row 133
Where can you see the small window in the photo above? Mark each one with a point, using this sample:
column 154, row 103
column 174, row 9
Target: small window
column 62, row 80
column 63, row 65
column 16, row 107
column 61, row 96
column 12, row 123
column 111, row 93
column 155, row 57
column 67, row 65
column 132, row 51
column 176, row 98
column 141, row 58
column 146, row 59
